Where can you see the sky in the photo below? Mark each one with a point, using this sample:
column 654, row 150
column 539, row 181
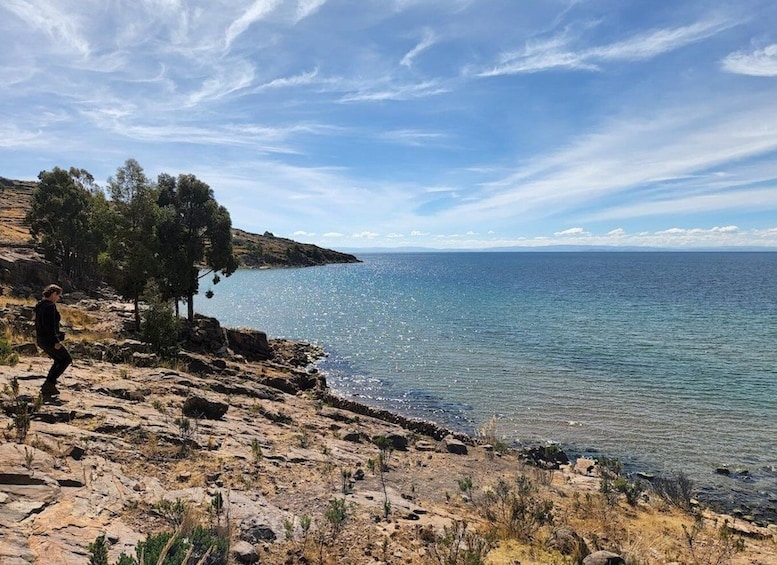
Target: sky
column 446, row 124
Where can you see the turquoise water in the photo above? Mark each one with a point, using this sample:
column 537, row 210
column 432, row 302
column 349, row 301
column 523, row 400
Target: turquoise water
column 664, row 360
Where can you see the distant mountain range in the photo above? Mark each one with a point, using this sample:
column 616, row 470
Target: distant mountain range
column 556, row 249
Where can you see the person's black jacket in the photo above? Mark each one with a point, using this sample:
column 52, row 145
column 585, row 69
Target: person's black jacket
column 47, row 323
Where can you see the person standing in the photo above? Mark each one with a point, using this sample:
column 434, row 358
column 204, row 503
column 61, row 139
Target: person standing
column 49, row 337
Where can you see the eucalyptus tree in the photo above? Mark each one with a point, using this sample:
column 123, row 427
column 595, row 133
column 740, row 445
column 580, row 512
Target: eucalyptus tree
column 197, row 239
column 64, row 222
column 131, row 260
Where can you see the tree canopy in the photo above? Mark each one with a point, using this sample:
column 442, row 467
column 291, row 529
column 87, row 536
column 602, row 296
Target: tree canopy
column 171, row 233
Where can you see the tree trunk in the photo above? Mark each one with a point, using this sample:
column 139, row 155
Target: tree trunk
column 137, row 315
column 190, row 308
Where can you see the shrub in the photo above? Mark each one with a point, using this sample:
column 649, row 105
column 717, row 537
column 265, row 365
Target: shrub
column 7, row 355
column 160, row 324
column 20, row 409
column 676, row 489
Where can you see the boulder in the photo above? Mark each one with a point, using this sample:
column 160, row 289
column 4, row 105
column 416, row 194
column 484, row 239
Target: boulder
column 452, row 445
column 254, row 531
column 549, row 456
column 244, row 552
column 585, row 466
column 251, row 344
column 566, row 541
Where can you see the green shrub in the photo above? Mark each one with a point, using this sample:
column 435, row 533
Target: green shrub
column 189, row 550
column 98, row 551
column 160, row 325
column 7, row 355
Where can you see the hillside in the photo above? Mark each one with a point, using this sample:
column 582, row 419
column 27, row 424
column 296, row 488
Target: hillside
column 252, row 250
column 14, row 202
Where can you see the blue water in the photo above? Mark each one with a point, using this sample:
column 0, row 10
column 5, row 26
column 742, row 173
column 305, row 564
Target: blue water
column 664, row 360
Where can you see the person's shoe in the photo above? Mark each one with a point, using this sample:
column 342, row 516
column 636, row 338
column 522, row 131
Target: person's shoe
column 49, row 389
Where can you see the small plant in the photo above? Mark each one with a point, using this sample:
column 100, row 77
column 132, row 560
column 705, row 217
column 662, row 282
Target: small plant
column 515, row 510
column 256, row 450
column 676, row 489
column 717, row 548
column 98, row 551
column 21, row 410
column 305, row 522
column 336, row 514
column 217, row 505
column 288, row 529
column 7, row 355
column 460, row 545
column 185, row 434
column 386, row 449
column 465, row 486
column 174, row 512
column 347, row 483
column 29, row 456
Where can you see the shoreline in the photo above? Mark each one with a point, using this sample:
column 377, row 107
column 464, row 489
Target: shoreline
column 759, row 509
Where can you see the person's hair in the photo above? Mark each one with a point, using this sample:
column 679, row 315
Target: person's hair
column 51, row 289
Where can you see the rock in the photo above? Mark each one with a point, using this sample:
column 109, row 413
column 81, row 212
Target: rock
column 566, row 541
column 604, row 558
column 256, row 532
column 585, row 466
column 398, row 440
column 424, row 445
column 353, row 436
column 251, row 344
column 452, row 445
column 139, row 359
column 723, row 471
column 244, row 552
column 28, row 348
column 196, row 364
column 546, row 456
column 200, row 407
column 75, row 452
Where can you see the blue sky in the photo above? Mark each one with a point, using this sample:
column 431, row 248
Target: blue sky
column 406, row 123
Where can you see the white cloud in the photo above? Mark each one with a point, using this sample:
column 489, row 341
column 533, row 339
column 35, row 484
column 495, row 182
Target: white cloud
column 63, row 26
column 258, row 11
column 758, row 63
column 333, row 235
column 571, row 231
column 365, row 235
column 617, row 232
column 554, row 53
column 428, row 40
column 306, row 8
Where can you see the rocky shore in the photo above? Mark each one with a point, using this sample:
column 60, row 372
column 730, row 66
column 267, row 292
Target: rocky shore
column 241, row 434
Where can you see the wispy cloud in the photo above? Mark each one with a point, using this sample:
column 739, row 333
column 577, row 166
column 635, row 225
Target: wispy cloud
column 256, row 12
column 556, row 52
column 428, row 40
column 230, row 79
column 46, row 16
column 397, row 92
column 757, row 63
column 306, row 8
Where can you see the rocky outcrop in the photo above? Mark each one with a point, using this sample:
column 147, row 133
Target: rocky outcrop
column 251, row 344
column 24, row 272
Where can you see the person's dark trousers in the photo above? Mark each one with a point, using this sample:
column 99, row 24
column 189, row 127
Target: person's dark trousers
column 62, row 361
